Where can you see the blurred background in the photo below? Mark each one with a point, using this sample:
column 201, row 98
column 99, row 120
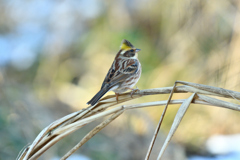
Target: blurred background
column 54, row 56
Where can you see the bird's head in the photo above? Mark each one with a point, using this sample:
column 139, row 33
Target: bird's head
column 128, row 50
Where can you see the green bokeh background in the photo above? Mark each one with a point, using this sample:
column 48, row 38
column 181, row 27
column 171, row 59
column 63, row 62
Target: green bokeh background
column 195, row 41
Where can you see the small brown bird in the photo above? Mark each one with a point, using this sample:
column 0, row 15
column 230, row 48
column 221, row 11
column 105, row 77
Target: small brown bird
column 123, row 74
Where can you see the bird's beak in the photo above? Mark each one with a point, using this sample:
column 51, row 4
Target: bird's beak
column 137, row 50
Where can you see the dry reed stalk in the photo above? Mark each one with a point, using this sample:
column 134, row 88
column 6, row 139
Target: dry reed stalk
column 92, row 133
column 74, row 121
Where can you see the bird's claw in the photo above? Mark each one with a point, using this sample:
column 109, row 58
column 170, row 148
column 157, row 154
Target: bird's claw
column 133, row 91
column 116, row 94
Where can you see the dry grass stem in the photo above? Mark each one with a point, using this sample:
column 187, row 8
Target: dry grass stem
column 92, row 133
column 74, row 121
column 159, row 124
column 181, row 112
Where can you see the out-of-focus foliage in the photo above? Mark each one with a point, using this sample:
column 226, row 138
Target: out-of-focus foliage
column 54, row 56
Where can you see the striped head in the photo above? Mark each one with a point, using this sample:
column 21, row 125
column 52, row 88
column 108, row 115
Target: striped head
column 128, row 50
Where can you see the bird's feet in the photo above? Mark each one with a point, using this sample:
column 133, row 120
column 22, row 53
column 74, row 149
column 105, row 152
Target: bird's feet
column 133, row 91
column 116, row 94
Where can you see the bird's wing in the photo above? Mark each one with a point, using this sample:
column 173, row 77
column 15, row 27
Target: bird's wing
column 120, row 71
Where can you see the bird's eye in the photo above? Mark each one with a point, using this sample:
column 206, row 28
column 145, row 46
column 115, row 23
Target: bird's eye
column 132, row 50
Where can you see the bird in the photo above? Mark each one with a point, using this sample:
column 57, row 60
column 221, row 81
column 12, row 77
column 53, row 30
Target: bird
column 123, row 74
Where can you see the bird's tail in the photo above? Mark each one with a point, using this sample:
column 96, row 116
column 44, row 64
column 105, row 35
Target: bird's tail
column 99, row 95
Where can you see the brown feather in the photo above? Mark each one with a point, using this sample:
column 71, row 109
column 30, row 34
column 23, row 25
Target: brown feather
column 123, row 74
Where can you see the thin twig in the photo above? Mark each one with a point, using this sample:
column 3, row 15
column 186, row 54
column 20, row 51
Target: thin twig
column 91, row 134
column 159, row 124
column 180, row 113
column 216, row 90
column 72, row 122
column 60, row 133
